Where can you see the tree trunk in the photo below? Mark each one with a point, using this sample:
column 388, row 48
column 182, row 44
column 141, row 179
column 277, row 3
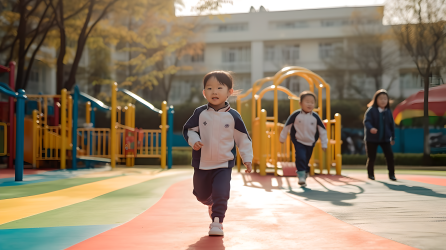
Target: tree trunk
column 21, row 34
column 427, row 150
column 62, row 50
column 80, row 48
column 31, row 62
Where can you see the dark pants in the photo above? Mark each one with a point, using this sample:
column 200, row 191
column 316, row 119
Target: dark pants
column 371, row 148
column 303, row 155
column 212, row 187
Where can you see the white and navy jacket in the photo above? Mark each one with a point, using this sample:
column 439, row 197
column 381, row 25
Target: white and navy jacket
column 217, row 130
column 306, row 128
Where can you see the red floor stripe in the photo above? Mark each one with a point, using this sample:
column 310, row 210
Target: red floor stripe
column 8, row 173
column 440, row 181
column 256, row 219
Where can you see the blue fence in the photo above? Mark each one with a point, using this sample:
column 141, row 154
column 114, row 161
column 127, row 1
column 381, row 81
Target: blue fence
column 407, row 141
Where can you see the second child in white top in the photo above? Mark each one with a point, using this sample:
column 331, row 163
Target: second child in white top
column 305, row 128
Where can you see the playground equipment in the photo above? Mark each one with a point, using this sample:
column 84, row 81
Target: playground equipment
column 19, row 122
column 120, row 142
column 265, row 131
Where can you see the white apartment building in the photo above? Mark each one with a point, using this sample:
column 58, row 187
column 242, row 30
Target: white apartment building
column 257, row 44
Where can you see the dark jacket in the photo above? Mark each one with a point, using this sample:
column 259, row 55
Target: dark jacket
column 371, row 120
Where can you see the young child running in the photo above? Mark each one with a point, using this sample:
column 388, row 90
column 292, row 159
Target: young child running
column 211, row 131
column 379, row 130
column 305, row 127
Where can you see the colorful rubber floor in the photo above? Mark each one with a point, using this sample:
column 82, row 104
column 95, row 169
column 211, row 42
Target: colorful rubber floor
column 150, row 209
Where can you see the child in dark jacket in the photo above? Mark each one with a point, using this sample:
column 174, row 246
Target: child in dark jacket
column 379, row 130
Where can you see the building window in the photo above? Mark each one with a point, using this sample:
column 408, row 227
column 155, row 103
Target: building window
column 237, row 54
column 335, row 22
column 282, row 53
column 293, row 84
column 361, row 81
column 411, row 81
column 34, row 75
column 289, row 25
column 269, row 53
column 231, row 27
column 327, row 50
column 290, row 53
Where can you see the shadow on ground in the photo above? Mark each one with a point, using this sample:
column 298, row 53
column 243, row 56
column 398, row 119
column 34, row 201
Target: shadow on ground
column 413, row 190
column 208, row 242
column 269, row 183
column 335, row 197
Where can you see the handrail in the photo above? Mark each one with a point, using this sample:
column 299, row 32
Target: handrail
column 5, row 85
column 95, row 103
column 139, row 99
column 8, row 91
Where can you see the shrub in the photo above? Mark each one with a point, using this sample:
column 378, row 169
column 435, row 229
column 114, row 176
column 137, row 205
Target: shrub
column 400, row 159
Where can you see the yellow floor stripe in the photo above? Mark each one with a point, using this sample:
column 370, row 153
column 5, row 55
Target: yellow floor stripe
column 19, row 208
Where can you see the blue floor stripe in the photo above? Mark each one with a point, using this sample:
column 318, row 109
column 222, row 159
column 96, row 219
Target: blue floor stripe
column 48, row 238
column 49, row 176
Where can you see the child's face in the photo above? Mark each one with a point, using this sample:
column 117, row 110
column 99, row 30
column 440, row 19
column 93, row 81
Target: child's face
column 216, row 93
column 307, row 104
column 382, row 101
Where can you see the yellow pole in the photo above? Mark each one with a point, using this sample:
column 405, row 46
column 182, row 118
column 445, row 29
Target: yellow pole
column 63, row 129
column 87, row 112
column 328, row 112
column 275, row 135
column 128, row 114
column 338, row 155
column 238, row 159
column 113, row 126
column 163, row 134
column 135, row 142
column 263, row 142
column 35, row 138
column 70, row 119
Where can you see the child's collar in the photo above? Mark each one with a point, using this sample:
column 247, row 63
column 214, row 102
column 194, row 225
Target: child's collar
column 225, row 108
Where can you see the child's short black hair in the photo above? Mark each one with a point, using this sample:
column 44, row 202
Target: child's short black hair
column 222, row 77
column 305, row 94
column 374, row 101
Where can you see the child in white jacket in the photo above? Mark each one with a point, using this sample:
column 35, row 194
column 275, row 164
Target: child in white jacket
column 305, row 127
column 212, row 131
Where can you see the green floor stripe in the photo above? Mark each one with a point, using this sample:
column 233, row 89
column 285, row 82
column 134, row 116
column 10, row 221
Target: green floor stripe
column 113, row 208
column 10, row 192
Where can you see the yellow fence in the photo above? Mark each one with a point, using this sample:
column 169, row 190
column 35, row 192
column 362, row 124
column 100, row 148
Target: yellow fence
column 5, row 139
column 94, row 142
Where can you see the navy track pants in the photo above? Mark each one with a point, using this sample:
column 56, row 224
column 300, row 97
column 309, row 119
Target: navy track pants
column 212, row 187
column 303, row 155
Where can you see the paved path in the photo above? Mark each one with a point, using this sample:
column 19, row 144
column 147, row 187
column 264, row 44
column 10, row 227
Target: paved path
column 140, row 209
column 410, row 211
column 255, row 220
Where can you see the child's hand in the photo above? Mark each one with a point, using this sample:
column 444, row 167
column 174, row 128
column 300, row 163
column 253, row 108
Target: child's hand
column 373, row 130
column 198, row 145
column 324, row 149
column 392, row 143
column 248, row 167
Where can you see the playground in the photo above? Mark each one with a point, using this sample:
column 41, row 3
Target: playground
column 81, row 188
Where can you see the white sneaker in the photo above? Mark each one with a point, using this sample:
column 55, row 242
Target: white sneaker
column 216, row 228
column 302, row 176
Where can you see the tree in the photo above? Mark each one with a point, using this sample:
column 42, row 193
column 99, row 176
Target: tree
column 156, row 45
column 369, row 51
column 25, row 25
column 419, row 27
